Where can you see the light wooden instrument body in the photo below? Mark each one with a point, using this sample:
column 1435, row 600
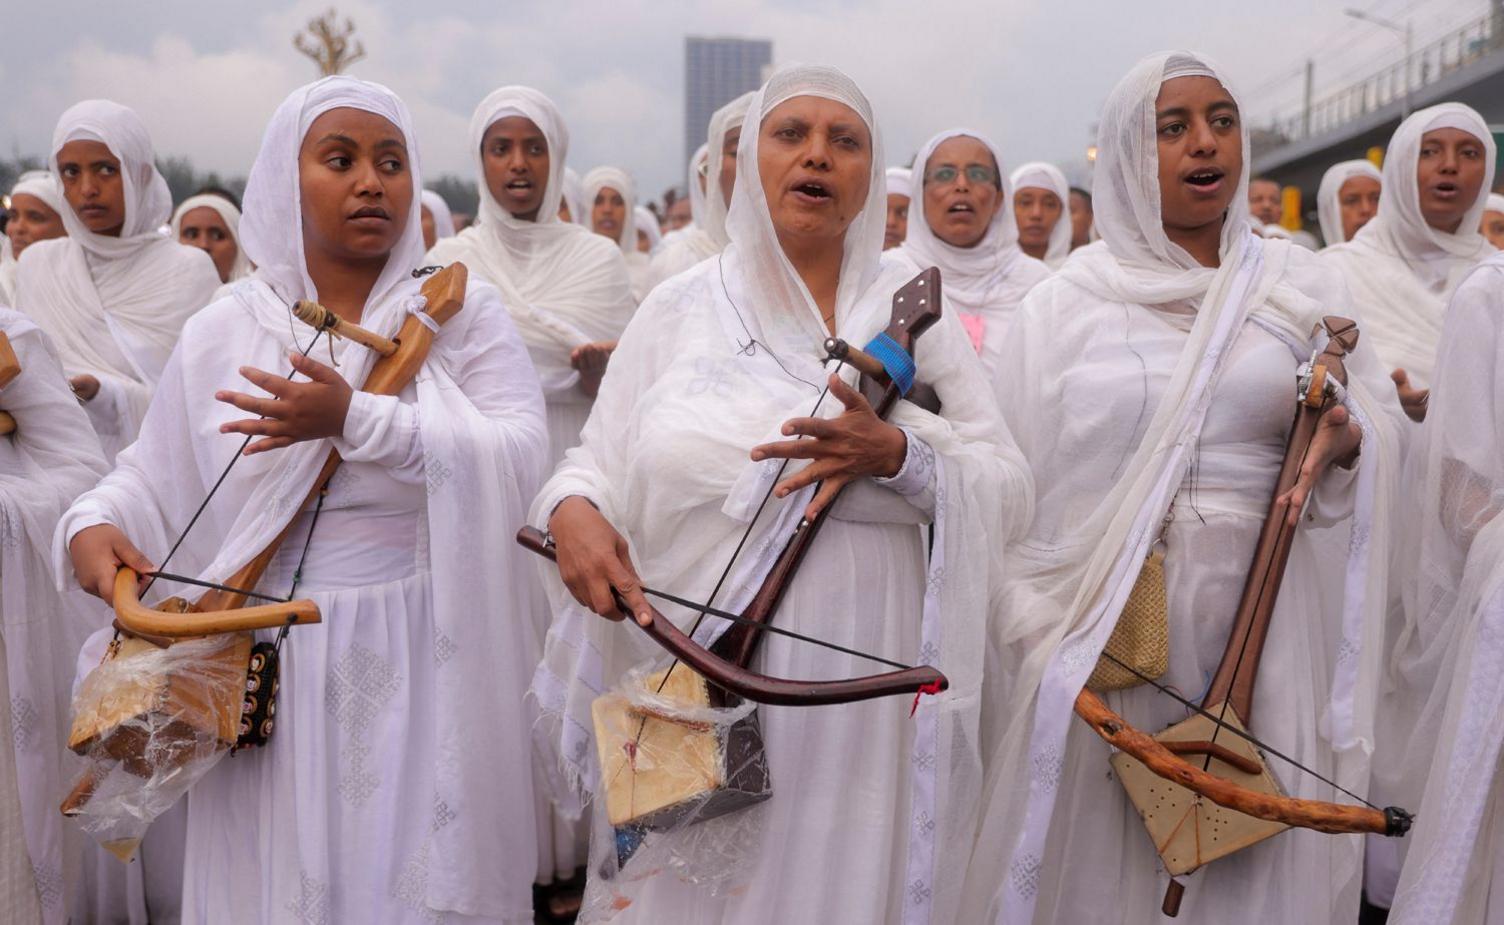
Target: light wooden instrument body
column 182, row 707
column 1237, row 802
column 10, row 368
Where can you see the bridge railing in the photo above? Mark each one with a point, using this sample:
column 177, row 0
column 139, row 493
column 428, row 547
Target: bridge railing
column 1385, row 86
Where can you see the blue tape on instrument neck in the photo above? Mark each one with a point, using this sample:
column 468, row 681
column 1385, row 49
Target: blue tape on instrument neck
column 895, row 360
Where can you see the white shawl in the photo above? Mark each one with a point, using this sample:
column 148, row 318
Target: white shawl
column 42, row 185
column 1449, row 654
column 1400, row 270
column 647, row 223
column 443, row 220
column 1040, row 175
column 113, row 307
column 52, row 457
column 481, row 426
column 241, row 268
column 712, row 365
column 563, row 284
column 1068, row 581
column 1329, row 195
column 706, row 237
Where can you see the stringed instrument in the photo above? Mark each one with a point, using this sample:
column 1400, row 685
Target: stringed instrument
column 10, row 368
column 662, row 767
column 1228, row 799
column 155, row 712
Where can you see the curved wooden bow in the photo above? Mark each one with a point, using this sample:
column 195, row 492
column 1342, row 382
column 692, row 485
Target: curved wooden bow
column 725, row 664
column 1228, row 704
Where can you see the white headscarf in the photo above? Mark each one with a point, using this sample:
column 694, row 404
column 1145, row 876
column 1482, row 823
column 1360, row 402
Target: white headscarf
column 113, row 307
column 698, row 182
column 969, row 274
column 229, row 214
column 1063, row 599
column 1495, row 204
column 898, row 179
column 274, row 201
column 1329, row 195
column 443, row 219
column 707, row 236
column 43, row 185
column 1400, row 270
column 647, row 223
column 1040, row 175
column 574, row 197
column 613, row 178
column 563, row 284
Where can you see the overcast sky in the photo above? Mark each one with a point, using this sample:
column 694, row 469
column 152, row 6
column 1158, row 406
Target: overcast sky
column 1032, row 74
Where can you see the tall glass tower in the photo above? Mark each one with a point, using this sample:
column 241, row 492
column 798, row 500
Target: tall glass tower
column 717, row 71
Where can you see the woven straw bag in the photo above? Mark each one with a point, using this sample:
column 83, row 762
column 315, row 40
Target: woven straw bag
column 1141, row 638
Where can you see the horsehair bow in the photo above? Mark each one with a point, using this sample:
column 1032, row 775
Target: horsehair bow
column 10, row 368
column 223, row 608
column 1231, row 690
column 888, row 372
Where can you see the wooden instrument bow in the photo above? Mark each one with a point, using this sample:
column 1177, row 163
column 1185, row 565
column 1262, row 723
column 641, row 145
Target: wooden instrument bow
column 725, row 664
column 10, row 368
column 1233, row 774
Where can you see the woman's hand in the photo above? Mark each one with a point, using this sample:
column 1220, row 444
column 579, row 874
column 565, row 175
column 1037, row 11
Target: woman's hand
column 590, row 360
column 84, row 386
column 1336, row 440
column 296, row 411
column 844, row 449
column 1413, row 400
column 593, row 559
column 98, row 552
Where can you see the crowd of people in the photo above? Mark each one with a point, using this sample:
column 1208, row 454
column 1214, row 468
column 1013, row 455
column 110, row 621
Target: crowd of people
column 1098, row 414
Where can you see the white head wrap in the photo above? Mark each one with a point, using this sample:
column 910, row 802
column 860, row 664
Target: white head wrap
column 771, row 281
column 647, row 223
column 231, row 217
column 273, row 197
column 612, row 178
column 443, row 219
column 1040, row 175
column 898, row 180
column 44, row 186
column 969, row 274
column 1495, row 204
column 574, row 197
column 699, row 168
column 147, row 200
column 1401, row 271
column 728, row 117
column 1329, row 195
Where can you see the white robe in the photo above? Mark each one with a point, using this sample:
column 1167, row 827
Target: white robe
column 50, row 459
column 1449, row 656
column 338, row 815
column 870, row 811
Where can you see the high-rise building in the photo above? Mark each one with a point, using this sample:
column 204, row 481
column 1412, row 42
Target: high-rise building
column 717, row 71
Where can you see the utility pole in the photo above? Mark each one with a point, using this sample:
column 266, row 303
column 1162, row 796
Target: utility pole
column 328, row 45
column 1305, row 117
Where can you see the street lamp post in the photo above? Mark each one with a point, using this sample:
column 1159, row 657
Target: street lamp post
column 1405, row 30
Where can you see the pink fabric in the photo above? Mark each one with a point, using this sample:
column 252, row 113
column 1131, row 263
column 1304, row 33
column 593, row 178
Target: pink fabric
column 975, row 326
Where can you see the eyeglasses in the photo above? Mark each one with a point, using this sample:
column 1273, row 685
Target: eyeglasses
column 976, row 173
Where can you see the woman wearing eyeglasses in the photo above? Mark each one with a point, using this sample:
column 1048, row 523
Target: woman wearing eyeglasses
column 967, row 230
